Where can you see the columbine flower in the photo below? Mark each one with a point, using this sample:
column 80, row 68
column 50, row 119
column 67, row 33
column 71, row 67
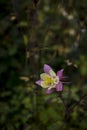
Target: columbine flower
column 50, row 80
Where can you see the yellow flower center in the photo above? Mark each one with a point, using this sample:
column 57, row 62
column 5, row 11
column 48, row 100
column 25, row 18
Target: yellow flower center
column 49, row 81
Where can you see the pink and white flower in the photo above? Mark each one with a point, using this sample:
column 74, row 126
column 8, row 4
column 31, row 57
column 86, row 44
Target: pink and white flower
column 50, row 80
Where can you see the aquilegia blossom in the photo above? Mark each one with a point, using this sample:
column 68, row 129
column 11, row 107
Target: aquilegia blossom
column 50, row 80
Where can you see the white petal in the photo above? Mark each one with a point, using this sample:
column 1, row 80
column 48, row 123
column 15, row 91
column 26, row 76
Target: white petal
column 44, row 76
column 44, row 85
column 52, row 73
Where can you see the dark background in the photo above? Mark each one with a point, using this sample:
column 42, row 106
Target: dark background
column 34, row 33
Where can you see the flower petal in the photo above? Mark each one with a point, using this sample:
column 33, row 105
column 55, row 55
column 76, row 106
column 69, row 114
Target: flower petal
column 47, row 68
column 60, row 73
column 44, row 76
column 48, row 91
column 59, row 86
column 52, row 73
column 44, row 85
column 39, row 82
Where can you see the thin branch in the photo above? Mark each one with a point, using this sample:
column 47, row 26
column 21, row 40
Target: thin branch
column 77, row 103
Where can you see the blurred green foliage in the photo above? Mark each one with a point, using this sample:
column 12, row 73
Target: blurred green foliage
column 32, row 33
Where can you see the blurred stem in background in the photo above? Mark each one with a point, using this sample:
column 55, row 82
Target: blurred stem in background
column 32, row 54
column 33, row 60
